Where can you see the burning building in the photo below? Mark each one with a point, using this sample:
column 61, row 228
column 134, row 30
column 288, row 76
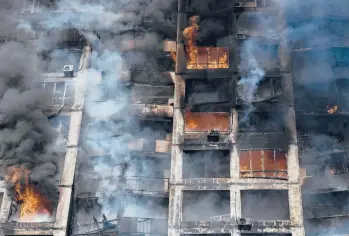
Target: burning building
column 181, row 117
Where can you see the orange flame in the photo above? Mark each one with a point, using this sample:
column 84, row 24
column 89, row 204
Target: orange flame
column 202, row 57
column 32, row 202
column 332, row 110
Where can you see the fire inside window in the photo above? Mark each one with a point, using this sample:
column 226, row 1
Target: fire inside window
column 207, row 121
column 263, row 163
column 58, row 93
column 203, row 57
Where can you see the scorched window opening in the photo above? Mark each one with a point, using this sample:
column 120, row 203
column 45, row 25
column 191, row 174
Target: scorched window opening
column 205, row 205
column 58, row 94
column 263, row 164
column 261, row 122
column 324, row 205
column 208, row 95
column 206, row 164
column 265, row 204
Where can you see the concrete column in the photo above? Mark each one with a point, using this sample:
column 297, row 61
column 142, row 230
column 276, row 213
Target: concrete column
column 5, row 204
column 295, row 196
column 234, row 163
column 235, row 203
column 175, row 212
column 175, row 193
column 288, row 101
column 296, row 209
column 66, row 187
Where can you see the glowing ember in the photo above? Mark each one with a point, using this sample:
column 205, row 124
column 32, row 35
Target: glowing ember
column 332, row 110
column 33, row 205
column 202, row 57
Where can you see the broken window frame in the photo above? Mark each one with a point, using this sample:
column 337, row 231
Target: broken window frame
column 55, row 94
column 264, row 171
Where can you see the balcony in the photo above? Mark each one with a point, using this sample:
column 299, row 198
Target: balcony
column 325, row 205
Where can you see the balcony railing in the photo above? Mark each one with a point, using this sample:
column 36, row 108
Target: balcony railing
column 26, row 225
column 124, row 225
column 145, row 184
column 140, row 185
column 325, row 211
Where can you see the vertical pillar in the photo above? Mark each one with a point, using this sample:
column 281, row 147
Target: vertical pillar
column 234, row 153
column 295, row 196
column 288, row 100
column 175, row 193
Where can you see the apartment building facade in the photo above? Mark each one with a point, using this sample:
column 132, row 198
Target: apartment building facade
column 204, row 158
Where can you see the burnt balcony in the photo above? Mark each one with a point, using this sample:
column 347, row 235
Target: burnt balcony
column 9, row 226
column 138, row 185
column 325, row 205
column 203, row 58
column 253, row 24
column 207, row 130
column 148, row 94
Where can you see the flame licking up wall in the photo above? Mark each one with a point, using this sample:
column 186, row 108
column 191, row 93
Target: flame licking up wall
column 202, row 57
column 34, row 207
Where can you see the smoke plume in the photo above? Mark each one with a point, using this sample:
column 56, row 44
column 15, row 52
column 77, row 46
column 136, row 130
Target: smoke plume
column 26, row 138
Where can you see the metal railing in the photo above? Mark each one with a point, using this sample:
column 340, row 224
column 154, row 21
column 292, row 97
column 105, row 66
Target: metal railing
column 147, row 184
column 26, row 225
column 136, row 184
column 129, row 225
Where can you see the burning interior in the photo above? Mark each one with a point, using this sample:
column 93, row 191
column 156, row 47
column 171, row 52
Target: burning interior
column 207, row 105
column 205, row 205
column 201, row 31
column 263, row 164
column 255, row 203
column 30, row 204
column 326, row 87
column 206, row 164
